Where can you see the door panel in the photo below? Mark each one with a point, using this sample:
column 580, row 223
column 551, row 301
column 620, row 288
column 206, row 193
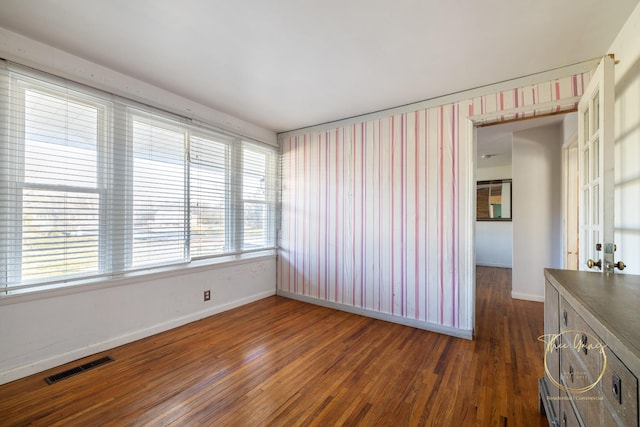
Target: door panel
column 596, row 145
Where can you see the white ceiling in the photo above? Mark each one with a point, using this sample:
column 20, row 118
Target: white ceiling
column 286, row 64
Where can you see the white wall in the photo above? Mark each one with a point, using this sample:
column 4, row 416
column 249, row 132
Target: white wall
column 494, row 243
column 537, row 220
column 496, row 172
column 627, row 139
column 494, row 238
column 42, row 331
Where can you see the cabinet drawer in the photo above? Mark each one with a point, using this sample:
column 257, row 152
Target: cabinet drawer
column 620, row 388
column 574, row 377
column 567, row 417
column 579, row 338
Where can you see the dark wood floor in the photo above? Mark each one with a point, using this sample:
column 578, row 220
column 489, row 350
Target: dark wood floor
column 283, row 362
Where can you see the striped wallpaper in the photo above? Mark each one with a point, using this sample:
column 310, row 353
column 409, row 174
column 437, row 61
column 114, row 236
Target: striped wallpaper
column 375, row 214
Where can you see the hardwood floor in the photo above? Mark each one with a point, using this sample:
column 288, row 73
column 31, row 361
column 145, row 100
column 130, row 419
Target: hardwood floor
column 283, row 362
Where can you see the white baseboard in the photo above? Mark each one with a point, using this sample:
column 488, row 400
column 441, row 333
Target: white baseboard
column 433, row 327
column 61, row 359
column 489, row 264
column 527, row 297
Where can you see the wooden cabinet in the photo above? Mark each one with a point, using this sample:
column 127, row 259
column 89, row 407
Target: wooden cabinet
column 592, row 349
column 552, row 354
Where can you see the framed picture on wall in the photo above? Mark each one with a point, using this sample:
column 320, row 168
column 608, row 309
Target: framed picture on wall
column 493, row 200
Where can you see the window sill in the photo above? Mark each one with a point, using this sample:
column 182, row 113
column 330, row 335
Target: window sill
column 87, row 285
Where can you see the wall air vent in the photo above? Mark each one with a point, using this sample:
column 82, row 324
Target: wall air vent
column 77, row 370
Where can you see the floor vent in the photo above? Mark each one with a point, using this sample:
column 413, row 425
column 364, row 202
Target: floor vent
column 78, row 369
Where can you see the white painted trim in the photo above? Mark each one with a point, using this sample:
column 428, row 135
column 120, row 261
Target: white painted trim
column 427, row 326
column 60, row 359
column 524, row 81
column 20, row 49
column 472, row 143
column 489, row 264
column 527, row 297
column 569, row 196
column 552, row 106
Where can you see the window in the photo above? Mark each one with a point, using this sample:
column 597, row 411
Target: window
column 93, row 185
column 60, row 203
column 159, row 196
column 258, row 197
column 210, row 188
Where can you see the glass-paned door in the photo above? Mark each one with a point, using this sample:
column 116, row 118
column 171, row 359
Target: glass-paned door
column 596, row 145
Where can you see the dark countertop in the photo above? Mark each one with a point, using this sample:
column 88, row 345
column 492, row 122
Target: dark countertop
column 613, row 300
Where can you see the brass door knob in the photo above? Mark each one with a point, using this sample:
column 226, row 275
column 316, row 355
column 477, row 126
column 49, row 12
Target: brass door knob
column 619, row 265
column 591, row 263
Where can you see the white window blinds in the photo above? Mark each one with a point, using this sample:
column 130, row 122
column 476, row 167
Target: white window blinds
column 57, row 177
column 210, row 201
column 159, row 192
column 258, row 196
column 94, row 185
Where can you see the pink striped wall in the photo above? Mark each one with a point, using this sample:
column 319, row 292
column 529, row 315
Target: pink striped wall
column 374, row 213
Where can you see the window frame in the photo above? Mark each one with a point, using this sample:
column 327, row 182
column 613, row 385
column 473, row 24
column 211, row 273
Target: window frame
column 270, row 198
column 114, row 189
column 229, row 226
column 16, row 156
column 150, row 119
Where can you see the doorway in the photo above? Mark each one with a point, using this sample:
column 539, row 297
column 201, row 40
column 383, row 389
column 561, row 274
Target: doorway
column 530, row 153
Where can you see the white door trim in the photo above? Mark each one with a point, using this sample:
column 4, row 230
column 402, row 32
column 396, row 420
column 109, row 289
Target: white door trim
column 570, row 192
